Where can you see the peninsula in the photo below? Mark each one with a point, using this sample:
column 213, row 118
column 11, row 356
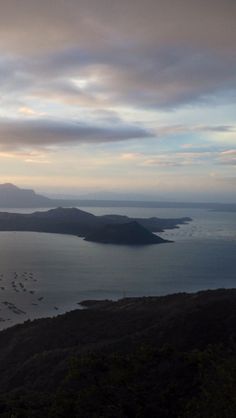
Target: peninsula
column 107, row 228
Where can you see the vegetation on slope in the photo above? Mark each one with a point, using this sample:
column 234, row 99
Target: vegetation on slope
column 172, row 356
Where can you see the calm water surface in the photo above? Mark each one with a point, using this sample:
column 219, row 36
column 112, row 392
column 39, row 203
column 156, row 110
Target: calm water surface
column 46, row 274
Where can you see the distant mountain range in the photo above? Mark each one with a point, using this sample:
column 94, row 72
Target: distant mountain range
column 12, row 196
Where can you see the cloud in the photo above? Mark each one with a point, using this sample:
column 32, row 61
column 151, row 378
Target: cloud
column 231, row 161
column 17, row 134
column 158, row 54
column 164, row 77
column 188, row 159
column 198, row 157
column 61, row 23
column 183, row 129
column 229, row 152
column 27, row 111
column 130, row 156
column 228, row 157
column 162, row 161
column 174, row 159
column 75, row 72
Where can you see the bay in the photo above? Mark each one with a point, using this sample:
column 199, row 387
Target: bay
column 48, row 274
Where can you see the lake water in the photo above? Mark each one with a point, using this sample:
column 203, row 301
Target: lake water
column 47, row 274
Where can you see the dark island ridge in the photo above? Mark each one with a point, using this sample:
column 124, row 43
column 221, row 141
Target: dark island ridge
column 115, row 229
column 130, row 233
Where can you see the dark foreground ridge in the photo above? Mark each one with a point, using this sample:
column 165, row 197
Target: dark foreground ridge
column 168, row 357
column 78, row 222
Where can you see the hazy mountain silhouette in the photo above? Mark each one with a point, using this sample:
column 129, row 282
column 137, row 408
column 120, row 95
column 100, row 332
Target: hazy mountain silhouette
column 13, row 196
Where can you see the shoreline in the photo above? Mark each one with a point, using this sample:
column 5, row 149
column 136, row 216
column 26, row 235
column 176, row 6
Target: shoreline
column 127, row 303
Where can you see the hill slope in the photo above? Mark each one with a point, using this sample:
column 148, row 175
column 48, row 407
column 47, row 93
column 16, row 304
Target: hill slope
column 172, row 356
column 130, row 233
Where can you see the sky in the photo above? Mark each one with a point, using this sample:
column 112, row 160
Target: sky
column 125, row 96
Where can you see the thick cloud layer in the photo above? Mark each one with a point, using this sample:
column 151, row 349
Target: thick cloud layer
column 43, row 133
column 97, row 22
column 159, row 54
column 149, row 78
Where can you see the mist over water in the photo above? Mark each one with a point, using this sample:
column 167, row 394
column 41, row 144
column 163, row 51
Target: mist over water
column 46, row 274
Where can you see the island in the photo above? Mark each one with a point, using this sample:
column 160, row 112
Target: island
column 107, row 228
column 130, row 233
